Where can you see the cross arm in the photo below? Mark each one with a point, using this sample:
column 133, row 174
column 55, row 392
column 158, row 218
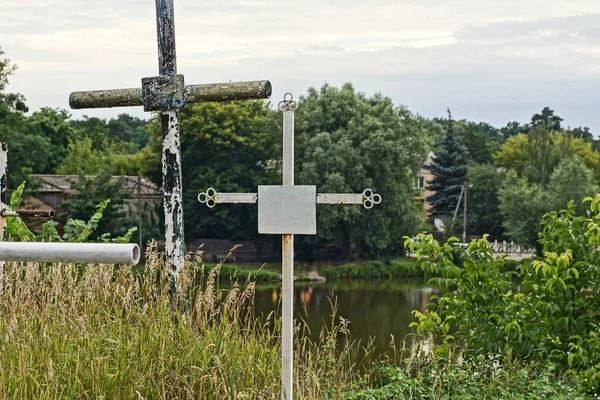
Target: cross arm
column 211, row 198
column 367, row 198
column 212, row 92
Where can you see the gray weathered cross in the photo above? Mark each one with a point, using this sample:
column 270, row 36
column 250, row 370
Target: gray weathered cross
column 288, row 210
column 167, row 93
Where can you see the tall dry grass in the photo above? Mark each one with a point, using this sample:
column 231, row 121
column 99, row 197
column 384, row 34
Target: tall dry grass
column 101, row 332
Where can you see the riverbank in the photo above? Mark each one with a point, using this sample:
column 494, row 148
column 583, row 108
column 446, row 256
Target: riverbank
column 304, row 272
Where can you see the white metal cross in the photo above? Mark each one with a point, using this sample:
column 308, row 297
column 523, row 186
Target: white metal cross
column 288, row 210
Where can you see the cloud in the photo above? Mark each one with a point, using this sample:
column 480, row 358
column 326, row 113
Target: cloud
column 495, row 60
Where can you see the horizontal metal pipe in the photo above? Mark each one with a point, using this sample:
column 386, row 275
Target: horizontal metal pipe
column 104, row 253
column 212, row 92
column 29, row 213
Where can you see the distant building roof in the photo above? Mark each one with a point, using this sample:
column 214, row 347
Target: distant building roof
column 63, row 183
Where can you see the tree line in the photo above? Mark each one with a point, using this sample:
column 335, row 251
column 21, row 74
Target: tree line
column 346, row 141
column 513, row 175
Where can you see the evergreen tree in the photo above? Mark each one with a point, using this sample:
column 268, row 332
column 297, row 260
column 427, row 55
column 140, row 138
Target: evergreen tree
column 449, row 169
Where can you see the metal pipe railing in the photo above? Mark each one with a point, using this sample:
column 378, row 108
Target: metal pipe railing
column 27, row 213
column 102, row 253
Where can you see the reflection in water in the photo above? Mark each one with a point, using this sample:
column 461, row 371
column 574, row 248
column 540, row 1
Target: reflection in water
column 375, row 309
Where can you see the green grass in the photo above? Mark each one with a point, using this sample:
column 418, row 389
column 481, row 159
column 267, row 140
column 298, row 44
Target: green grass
column 106, row 333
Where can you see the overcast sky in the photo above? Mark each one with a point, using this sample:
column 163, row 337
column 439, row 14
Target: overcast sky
column 488, row 60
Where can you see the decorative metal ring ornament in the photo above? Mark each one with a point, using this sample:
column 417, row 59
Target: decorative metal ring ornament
column 288, row 103
column 370, row 198
column 208, row 197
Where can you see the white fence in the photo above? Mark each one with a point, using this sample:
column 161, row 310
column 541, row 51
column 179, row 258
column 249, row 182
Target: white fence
column 510, row 248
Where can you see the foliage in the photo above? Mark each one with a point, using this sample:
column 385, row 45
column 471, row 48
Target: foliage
column 480, row 139
column 552, row 315
column 91, row 192
column 449, row 170
column 16, row 229
column 6, row 69
column 523, row 204
column 128, row 129
column 81, row 159
column 546, row 120
column 228, row 146
column 571, row 180
column 513, row 128
column 75, row 230
column 535, row 156
column 346, row 142
column 480, row 378
column 483, row 207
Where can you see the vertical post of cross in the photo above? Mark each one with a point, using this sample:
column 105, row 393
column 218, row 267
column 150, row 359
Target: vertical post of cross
column 287, row 279
column 3, row 186
column 171, row 155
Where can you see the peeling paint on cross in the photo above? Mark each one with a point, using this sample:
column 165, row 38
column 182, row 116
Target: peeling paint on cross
column 167, row 93
column 288, row 210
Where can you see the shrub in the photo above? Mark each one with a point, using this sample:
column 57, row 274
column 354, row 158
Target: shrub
column 546, row 310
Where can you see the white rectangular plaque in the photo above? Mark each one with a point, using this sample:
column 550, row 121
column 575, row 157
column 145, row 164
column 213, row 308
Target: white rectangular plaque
column 287, row 210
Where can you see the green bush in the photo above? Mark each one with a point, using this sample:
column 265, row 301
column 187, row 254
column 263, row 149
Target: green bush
column 547, row 310
column 480, row 378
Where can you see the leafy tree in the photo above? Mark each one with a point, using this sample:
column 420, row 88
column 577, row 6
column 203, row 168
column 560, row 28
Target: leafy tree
column 572, row 181
column 32, row 141
column 483, row 213
column 523, row 204
column 228, row 146
column 126, row 128
column 346, row 142
column 535, row 156
column 582, row 132
column 449, row 169
column 480, row 139
column 94, row 128
column 546, row 120
column 90, row 193
column 82, row 159
column 513, row 129
column 6, row 70
column 54, row 125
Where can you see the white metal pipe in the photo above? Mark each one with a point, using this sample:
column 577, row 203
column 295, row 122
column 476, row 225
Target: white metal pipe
column 287, row 310
column 287, row 276
column 288, row 148
column 104, row 253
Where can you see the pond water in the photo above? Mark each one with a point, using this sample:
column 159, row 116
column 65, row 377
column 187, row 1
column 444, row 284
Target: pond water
column 376, row 309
